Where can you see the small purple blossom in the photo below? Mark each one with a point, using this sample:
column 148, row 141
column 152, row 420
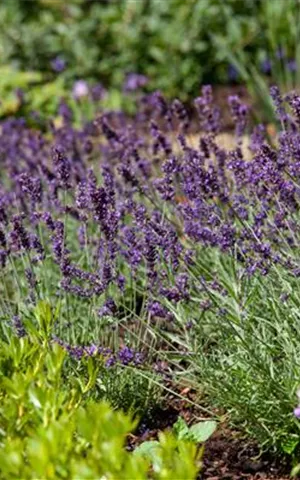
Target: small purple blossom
column 134, row 82
column 109, row 308
column 233, row 73
column 58, row 64
column 266, row 66
column 292, row 65
column 297, row 412
column 80, row 89
column 98, row 92
column 156, row 309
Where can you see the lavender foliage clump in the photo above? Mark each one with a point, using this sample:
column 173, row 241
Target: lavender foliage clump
column 122, row 223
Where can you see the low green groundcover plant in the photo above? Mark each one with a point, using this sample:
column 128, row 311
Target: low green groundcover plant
column 51, row 428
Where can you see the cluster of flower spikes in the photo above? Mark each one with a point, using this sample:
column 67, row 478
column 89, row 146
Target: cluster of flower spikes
column 92, row 182
column 143, row 195
column 124, row 356
column 243, row 199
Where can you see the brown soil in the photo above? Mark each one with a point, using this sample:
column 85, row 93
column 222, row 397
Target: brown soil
column 227, row 455
column 221, row 94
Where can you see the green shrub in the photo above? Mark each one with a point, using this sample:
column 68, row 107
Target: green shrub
column 178, row 45
column 263, row 49
column 170, row 42
column 50, row 429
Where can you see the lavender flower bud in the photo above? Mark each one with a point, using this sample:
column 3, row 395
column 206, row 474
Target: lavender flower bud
column 18, row 326
column 62, row 167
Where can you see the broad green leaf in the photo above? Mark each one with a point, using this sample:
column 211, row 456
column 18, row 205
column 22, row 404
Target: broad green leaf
column 150, row 450
column 200, row 432
column 181, row 429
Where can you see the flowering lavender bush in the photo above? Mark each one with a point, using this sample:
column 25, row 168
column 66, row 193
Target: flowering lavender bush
column 153, row 245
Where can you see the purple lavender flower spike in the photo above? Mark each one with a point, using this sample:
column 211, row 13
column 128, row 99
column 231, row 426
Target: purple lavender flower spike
column 18, row 326
column 278, row 103
column 62, row 167
column 181, row 113
column 239, row 113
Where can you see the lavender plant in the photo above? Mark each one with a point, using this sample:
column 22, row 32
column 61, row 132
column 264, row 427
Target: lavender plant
column 163, row 251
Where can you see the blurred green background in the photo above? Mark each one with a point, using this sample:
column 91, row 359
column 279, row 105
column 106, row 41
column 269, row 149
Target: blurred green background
column 47, row 45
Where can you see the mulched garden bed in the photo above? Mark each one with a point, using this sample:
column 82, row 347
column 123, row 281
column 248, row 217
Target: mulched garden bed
column 227, row 455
